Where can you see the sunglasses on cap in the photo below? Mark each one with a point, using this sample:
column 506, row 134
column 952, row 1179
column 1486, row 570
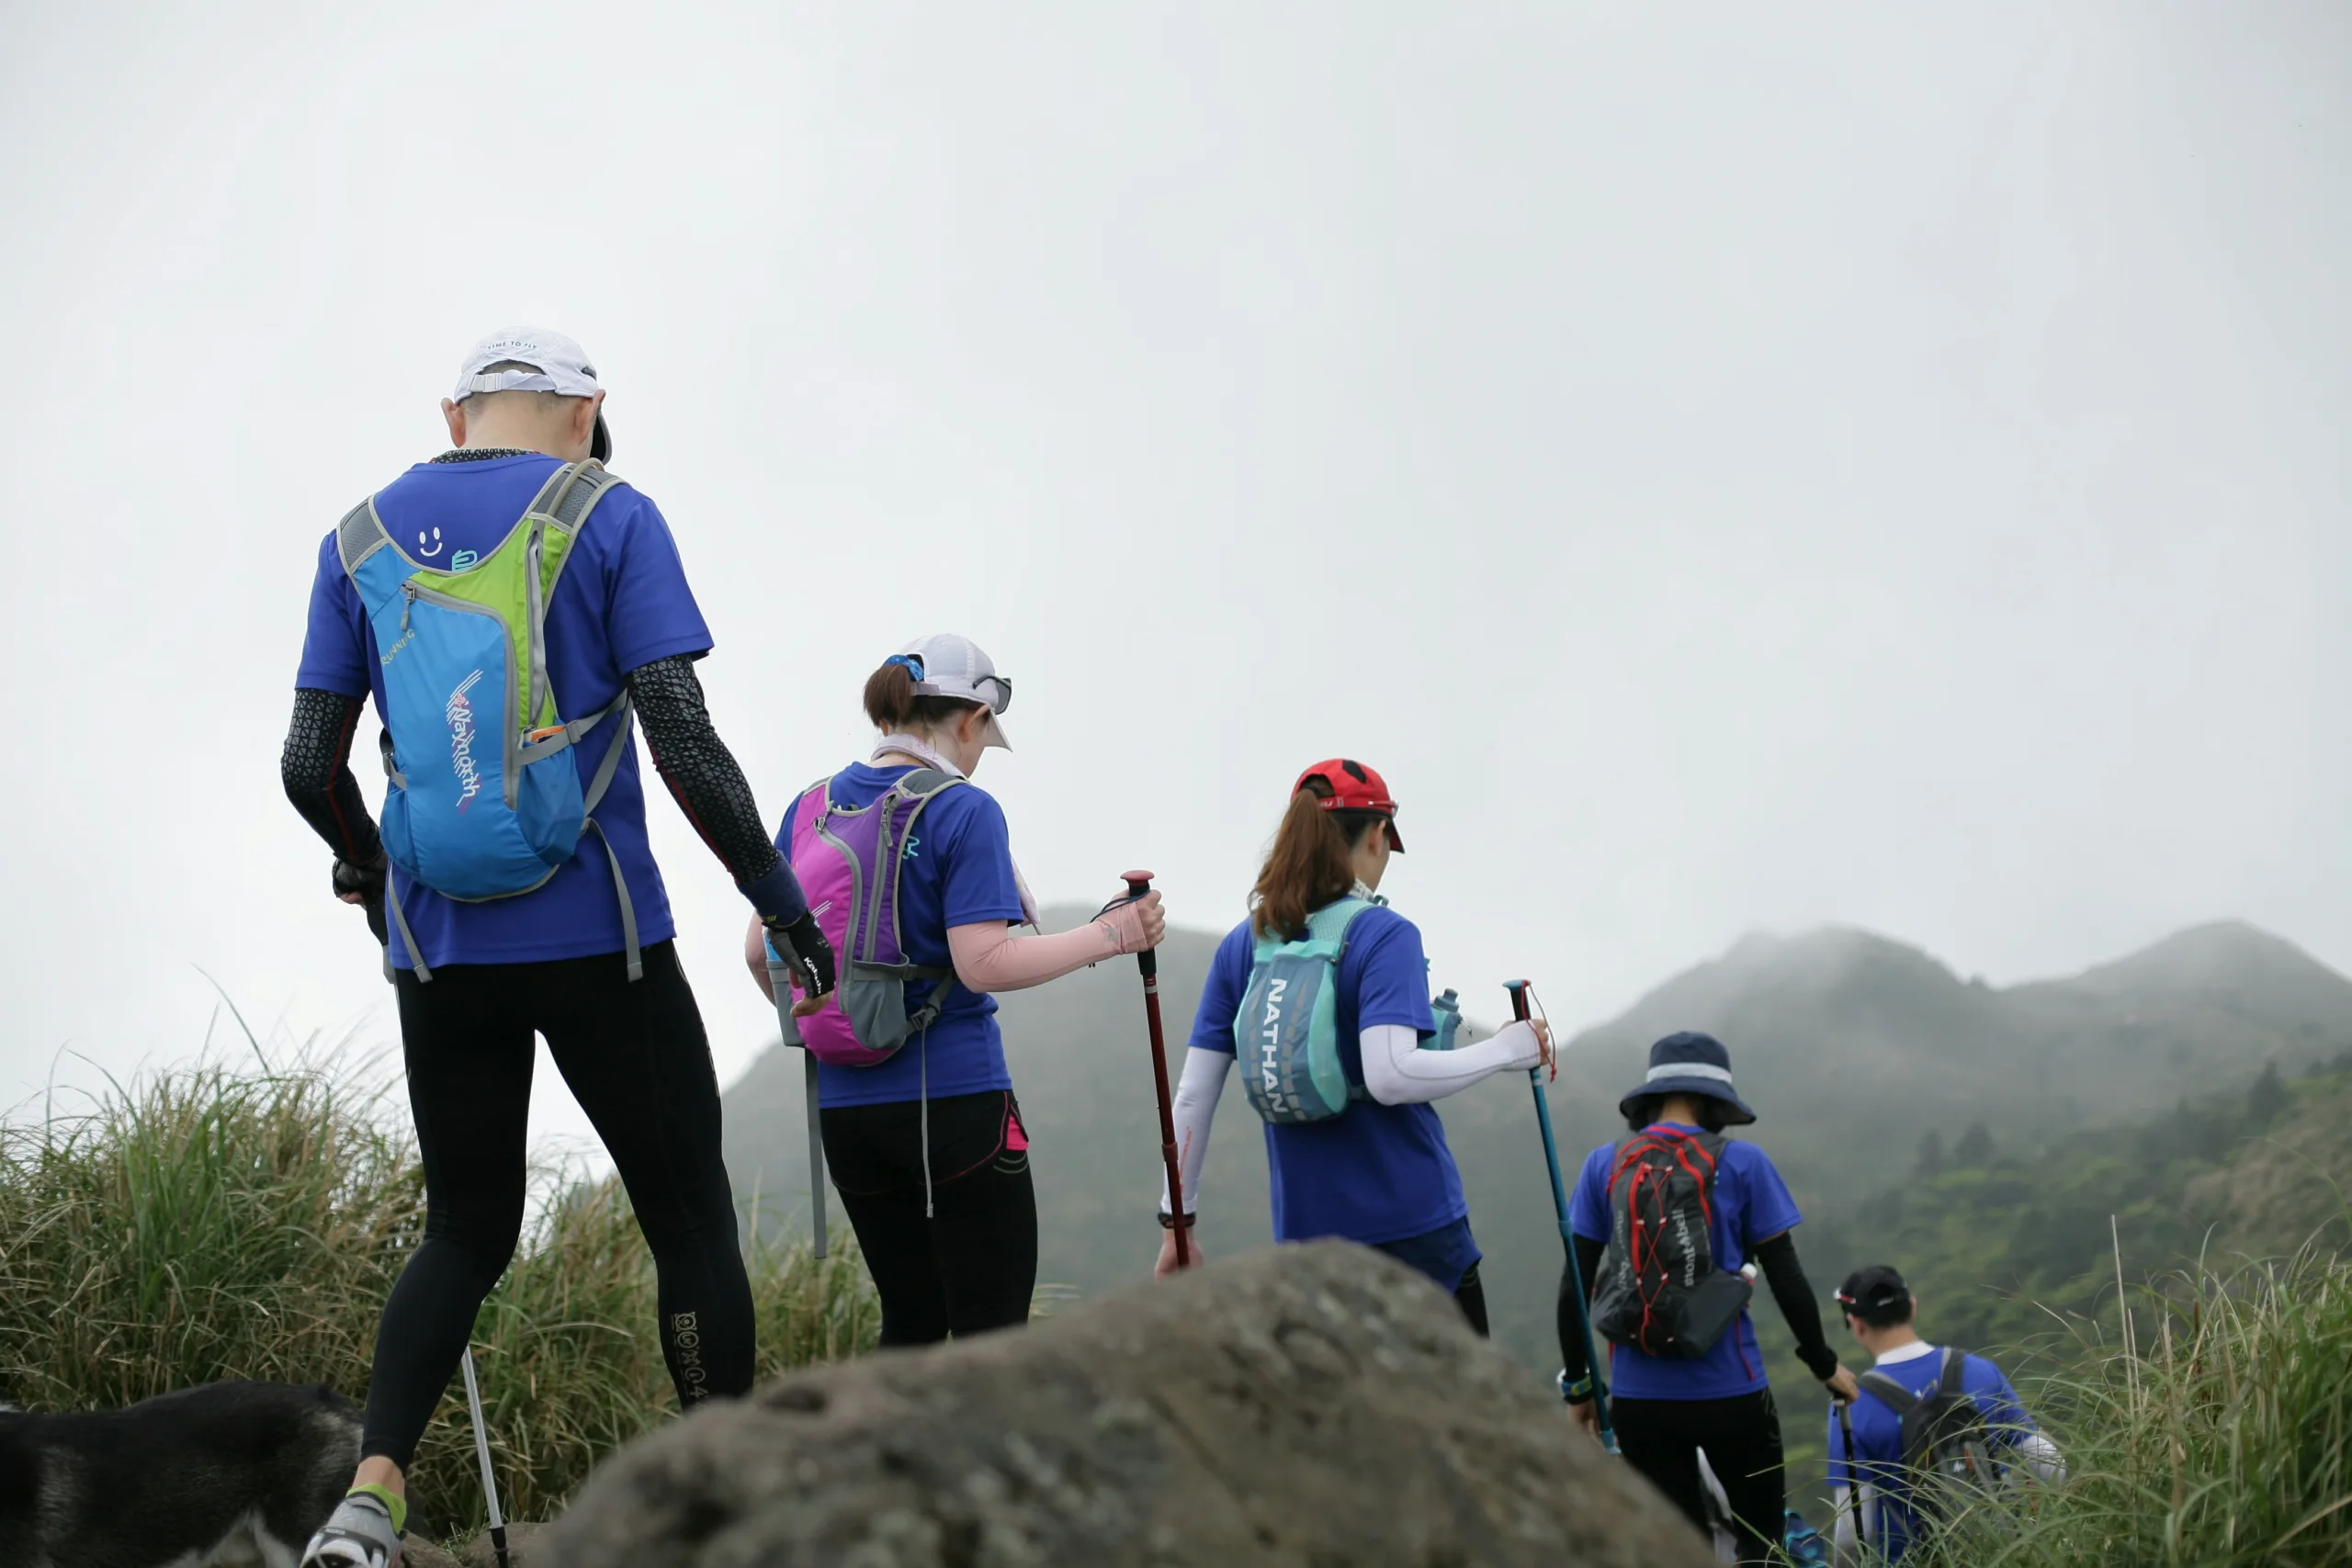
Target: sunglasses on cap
column 996, row 691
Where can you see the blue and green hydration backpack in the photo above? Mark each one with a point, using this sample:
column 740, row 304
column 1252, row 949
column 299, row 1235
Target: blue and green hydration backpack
column 484, row 798
column 1286, row 1033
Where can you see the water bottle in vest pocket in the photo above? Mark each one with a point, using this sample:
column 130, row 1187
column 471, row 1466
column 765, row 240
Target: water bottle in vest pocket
column 847, row 860
column 1446, row 1021
column 484, row 798
column 1286, row 1033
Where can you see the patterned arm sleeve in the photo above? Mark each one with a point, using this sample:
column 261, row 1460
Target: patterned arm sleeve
column 708, row 785
column 315, row 768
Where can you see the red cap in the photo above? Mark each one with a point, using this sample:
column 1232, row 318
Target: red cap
column 1354, row 787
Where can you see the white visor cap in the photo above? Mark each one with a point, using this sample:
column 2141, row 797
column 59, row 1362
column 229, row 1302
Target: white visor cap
column 563, row 369
column 954, row 666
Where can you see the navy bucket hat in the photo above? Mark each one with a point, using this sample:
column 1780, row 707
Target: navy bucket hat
column 1690, row 1062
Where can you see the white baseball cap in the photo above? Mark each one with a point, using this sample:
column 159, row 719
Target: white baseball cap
column 562, row 367
column 945, row 665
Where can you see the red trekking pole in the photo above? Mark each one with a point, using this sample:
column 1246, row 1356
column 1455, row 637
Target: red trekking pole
column 1138, row 884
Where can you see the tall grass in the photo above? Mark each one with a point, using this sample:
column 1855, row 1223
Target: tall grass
column 202, row 1222
column 2214, row 1429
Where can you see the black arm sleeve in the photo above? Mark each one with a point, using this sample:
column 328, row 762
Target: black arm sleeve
column 1572, row 1357
column 315, row 768
column 1778, row 1258
column 701, row 773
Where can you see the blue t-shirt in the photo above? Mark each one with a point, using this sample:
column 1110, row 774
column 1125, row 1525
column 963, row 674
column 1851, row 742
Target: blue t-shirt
column 621, row 603
column 956, row 870
column 1752, row 1205
column 1877, row 1436
column 1375, row 1172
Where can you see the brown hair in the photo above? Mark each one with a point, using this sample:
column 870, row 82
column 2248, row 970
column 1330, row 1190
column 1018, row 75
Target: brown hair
column 892, row 701
column 1309, row 866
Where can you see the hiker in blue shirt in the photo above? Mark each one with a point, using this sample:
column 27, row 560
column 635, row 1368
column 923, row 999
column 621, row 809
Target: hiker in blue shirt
column 515, row 611
column 1874, row 1487
column 922, row 1137
column 1375, row 1169
column 1672, row 1228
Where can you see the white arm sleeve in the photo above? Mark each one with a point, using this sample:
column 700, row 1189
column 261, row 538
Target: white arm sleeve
column 1846, row 1546
column 1396, row 1071
column 1196, row 1096
column 2041, row 1455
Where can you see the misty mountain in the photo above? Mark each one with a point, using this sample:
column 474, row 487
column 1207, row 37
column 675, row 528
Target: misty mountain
column 1851, row 1047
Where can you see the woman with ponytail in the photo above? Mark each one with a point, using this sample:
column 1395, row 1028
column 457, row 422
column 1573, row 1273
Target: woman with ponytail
column 1377, row 1169
column 924, row 1141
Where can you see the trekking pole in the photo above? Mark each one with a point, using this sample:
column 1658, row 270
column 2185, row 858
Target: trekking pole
column 1853, row 1476
column 1138, row 884
column 1602, row 1427
column 481, row 1451
column 780, row 986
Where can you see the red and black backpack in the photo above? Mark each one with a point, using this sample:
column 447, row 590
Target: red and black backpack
column 1658, row 1290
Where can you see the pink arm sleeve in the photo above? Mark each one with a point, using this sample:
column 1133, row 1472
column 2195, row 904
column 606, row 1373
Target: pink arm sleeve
column 988, row 957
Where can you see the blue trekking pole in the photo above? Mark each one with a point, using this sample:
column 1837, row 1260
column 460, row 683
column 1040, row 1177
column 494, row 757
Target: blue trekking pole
column 780, row 983
column 1607, row 1433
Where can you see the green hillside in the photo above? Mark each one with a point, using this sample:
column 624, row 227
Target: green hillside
column 1854, row 1050
column 2014, row 1250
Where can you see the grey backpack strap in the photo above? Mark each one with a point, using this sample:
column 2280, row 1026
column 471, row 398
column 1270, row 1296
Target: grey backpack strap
column 620, row 888
column 921, row 786
column 572, row 492
column 623, row 741
column 408, row 937
column 1889, row 1393
column 360, row 535
column 924, row 782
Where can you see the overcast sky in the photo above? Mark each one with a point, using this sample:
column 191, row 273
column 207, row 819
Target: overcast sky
column 1732, row 467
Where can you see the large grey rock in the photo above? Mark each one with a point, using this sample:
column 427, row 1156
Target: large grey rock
column 1314, row 1406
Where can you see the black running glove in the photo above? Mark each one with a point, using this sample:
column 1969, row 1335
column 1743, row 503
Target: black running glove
column 805, row 952
column 368, row 881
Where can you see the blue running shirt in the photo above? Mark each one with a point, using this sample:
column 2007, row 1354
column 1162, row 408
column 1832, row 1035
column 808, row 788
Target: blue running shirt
column 1752, row 1205
column 1373, row 1173
column 621, row 603
column 957, row 871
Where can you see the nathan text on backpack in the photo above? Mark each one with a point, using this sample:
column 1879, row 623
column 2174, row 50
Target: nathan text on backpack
column 847, row 859
column 1947, row 1467
column 484, row 798
column 1658, row 1290
column 1286, row 1033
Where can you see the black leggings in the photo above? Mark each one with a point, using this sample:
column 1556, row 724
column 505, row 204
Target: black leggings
column 971, row 1264
column 1662, row 1439
column 1471, row 1297
column 635, row 1057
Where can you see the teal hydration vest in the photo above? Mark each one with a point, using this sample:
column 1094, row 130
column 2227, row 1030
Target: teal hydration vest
column 1287, row 1034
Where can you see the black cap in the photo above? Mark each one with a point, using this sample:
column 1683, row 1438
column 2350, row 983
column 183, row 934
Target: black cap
column 1874, row 1290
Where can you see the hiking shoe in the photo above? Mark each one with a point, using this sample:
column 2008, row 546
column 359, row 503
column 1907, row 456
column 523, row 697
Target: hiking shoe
column 359, row 1534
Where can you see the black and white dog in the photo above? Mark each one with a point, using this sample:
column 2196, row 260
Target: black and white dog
column 230, row 1475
